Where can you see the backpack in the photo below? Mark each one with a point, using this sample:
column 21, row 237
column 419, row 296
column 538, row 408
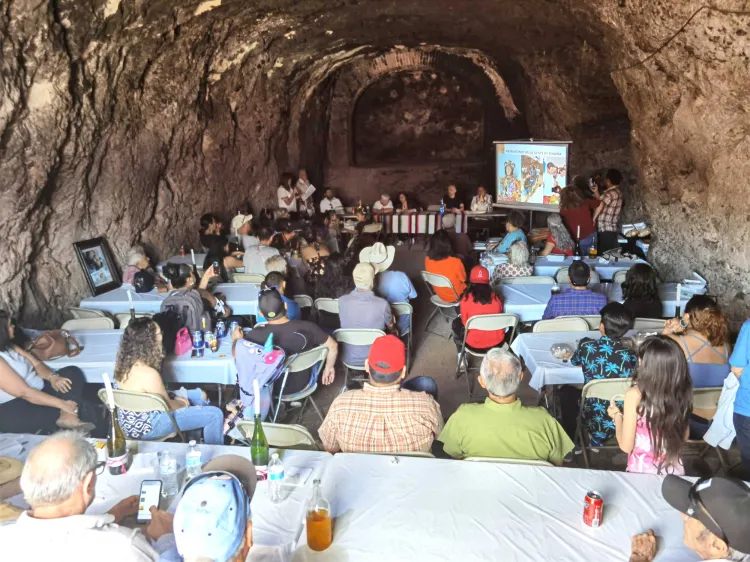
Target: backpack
column 189, row 305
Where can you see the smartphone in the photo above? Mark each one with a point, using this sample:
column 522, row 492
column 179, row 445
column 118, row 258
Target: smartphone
column 150, row 494
column 217, row 268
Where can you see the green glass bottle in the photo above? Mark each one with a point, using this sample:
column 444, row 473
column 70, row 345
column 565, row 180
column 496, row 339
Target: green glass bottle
column 259, row 446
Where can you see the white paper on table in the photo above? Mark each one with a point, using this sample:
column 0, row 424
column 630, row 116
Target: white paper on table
column 555, row 257
column 296, row 475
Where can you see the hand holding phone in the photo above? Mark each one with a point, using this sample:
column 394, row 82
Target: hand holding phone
column 149, row 496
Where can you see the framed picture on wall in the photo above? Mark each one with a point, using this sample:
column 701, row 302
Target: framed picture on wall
column 98, row 266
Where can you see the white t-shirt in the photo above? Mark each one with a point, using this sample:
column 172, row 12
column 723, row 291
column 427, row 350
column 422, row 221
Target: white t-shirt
column 282, row 193
column 248, row 241
column 334, row 204
column 481, row 206
column 378, row 206
column 255, row 258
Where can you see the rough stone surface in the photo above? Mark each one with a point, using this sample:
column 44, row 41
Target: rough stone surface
column 129, row 119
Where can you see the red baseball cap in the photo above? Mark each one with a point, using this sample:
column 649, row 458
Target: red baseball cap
column 387, row 355
column 479, row 274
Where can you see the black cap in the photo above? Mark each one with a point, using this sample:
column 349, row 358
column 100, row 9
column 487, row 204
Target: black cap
column 143, row 281
column 271, row 304
column 726, row 502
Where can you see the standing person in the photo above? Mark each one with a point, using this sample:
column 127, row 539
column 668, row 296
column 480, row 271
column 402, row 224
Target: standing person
column 607, row 215
column 653, row 425
column 331, row 203
column 255, row 257
column 641, row 292
column 286, row 195
column 304, row 190
column 482, row 201
column 559, row 241
column 576, row 212
column 513, row 223
column 739, row 362
column 383, row 205
column 441, row 260
column 452, row 201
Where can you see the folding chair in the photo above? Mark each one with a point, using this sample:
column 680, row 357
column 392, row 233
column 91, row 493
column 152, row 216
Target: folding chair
column 533, row 462
column 619, row 276
column 649, row 324
column 432, row 280
column 142, row 402
column 302, row 362
column 101, row 323
column 403, row 309
column 256, row 278
column 705, row 403
column 562, row 324
column 280, row 435
column 530, row 280
column 326, row 305
column 123, row 318
column 356, row 337
column 81, row 313
column 603, row 389
column 593, row 320
column 562, row 276
column 304, row 302
column 484, row 323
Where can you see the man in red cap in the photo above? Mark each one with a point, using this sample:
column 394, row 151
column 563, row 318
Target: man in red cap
column 387, row 415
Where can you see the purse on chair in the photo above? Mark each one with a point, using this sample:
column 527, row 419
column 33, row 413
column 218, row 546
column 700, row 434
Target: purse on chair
column 182, row 343
column 54, row 344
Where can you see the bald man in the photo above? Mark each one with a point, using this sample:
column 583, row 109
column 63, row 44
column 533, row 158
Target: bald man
column 59, row 482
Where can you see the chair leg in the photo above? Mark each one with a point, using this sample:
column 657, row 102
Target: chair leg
column 301, row 411
column 722, row 461
column 315, row 407
column 346, row 379
column 426, row 325
column 583, row 444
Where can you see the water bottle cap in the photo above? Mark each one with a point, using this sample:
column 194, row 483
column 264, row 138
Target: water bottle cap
column 275, row 456
column 192, row 443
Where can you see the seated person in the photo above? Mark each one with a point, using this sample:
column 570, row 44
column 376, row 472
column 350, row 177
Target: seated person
column 33, row 397
column 285, row 239
column 333, row 238
column 404, row 204
column 605, row 358
column 59, row 484
column 220, row 252
column 578, row 300
column 334, row 283
column 241, row 228
column 559, row 241
column 138, row 260
column 331, row 203
column 293, row 336
column 255, row 257
column 513, row 223
column 641, row 292
column 182, row 278
column 451, row 201
column 210, row 229
column 482, row 201
column 441, row 260
column 517, row 265
column 275, row 280
column 362, row 309
column 463, row 247
column 477, row 299
column 718, row 530
column 502, row 427
column 137, row 369
column 399, row 416
column 277, row 263
column 703, row 334
column 384, row 205
column 393, row 286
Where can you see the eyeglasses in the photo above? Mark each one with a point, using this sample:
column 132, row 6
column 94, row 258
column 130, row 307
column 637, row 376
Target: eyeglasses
column 99, row 468
column 695, row 502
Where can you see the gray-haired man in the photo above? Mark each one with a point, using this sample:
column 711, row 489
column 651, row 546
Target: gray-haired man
column 502, row 427
column 59, row 482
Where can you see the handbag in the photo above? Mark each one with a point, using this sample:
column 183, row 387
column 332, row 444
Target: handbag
column 182, row 343
column 54, row 344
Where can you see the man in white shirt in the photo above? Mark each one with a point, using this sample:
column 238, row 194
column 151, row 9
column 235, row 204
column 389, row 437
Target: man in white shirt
column 331, row 203
column 482, row 201
column 241, row 229
column 305, row 191
column 384, row 205
column 59, row 482
column 255, row 256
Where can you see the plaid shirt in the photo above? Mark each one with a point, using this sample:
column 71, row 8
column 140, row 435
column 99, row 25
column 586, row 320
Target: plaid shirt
column 381, row 419
column 572, row 302
column 610, row 215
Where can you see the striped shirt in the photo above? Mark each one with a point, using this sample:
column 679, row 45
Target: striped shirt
column 381, row 419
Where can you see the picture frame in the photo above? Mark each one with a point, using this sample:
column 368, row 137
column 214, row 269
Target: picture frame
column 98, row 265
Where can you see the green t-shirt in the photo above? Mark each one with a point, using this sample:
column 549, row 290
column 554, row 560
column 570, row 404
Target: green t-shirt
column 512, row 431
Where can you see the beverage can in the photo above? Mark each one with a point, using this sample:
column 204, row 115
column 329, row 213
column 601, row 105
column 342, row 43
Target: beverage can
column 208, row 337
column 197, row 339
column 593, row 506
column 221, row 329
column 232, row 325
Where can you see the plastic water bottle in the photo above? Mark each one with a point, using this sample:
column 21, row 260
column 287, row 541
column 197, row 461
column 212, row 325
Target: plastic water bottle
column 276, row 478
column 192, row 461
column 168, row 474
column 442, row 208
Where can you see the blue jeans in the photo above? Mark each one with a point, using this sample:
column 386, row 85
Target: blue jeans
column 422, row 384
column 199, row 415
column 586, row 243
column 742, row 427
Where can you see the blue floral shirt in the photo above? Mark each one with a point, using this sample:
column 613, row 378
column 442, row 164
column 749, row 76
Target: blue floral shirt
column 604, row 358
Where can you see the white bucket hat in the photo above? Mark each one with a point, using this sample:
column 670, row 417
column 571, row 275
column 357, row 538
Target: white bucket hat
column 379, row 255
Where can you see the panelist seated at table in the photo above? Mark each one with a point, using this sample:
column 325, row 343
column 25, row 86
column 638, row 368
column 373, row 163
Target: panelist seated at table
column 383, row 206
column 441, row 260
column 331, row 203
column 254, row 259
column 641, row 292
column 513, row 227
column 578, row 300
column 137, row 369
column 138, row 260
column 482, row 201
column 387, row 414
column 452, row 200
column 559, row 241
column 59, row 483
column 502, row 427
column 406, row 204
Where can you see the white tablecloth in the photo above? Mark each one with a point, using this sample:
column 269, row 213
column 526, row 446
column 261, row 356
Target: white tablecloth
column 273, row 524
column 529, row 301
column 100, row 352
column 545, row 369
column 429, row 509
column 186, row 259
column 241, row 297
column 545, row 266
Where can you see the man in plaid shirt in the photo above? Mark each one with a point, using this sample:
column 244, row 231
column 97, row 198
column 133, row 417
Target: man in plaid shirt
column 579, row 300
column 607, row 215
column 386, row 415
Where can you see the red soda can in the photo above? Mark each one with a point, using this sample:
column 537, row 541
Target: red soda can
column 593, row 506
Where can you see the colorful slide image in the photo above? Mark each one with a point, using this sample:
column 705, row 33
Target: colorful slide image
column 531, row 173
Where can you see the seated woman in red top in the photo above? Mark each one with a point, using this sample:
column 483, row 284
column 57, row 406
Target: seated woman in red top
column 478, row 299
column 559, row 240
column 440, row 260
column 576, row 212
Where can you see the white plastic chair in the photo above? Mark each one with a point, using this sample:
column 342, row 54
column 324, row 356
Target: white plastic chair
column 355, row 337
column 593, row 320
column 326, row 305
column 562, row 324
column 280, row 435
column 604, row 389
column 649, row 324
column 530, row 280
column 256, row 278
column 142, row 402
column 533, row 462
column 562, row 276
column 405, row 309
column 81, row 313
column 484, row 323
column 101, row 323
column 432, row 280
column 123, row 318
column 302, row 362
column 304, row 301
column 619, row 276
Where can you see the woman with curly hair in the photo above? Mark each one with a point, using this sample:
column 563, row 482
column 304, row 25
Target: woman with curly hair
column 137, row 370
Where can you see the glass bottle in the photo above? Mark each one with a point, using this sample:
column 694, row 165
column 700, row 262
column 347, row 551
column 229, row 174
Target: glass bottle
column 259, row 446
column 116, row 447
column 319, row 523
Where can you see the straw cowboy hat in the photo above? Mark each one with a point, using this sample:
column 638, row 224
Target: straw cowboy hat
column 380, row 256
